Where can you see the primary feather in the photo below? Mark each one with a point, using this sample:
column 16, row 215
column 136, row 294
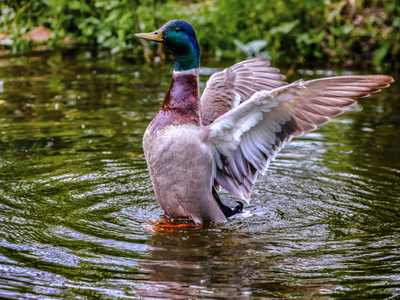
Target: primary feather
column 252, row 134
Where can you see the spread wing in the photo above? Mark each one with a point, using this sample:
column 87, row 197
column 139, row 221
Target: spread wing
column 232, row 86
column 226, row 90
column 257, row 129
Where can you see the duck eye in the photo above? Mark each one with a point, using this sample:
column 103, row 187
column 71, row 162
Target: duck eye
column 177, row 29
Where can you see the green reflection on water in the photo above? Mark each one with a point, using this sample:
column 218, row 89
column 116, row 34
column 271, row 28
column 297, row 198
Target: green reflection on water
column 75, row 196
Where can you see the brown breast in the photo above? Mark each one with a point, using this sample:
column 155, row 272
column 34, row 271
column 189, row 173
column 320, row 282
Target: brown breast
column 181, row 103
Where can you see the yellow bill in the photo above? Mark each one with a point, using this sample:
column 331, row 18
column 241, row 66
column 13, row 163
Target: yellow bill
column 155, row 36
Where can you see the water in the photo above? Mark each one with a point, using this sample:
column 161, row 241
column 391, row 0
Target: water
column 76, row 203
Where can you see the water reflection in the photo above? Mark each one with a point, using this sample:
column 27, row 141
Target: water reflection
column 219, row 262
column 75, row 196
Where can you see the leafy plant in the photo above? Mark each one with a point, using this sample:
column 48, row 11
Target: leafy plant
column 338, row 31
column 253, row 49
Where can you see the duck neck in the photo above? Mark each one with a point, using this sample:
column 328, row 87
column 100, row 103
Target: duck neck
column 186, row 62
column 188, row 57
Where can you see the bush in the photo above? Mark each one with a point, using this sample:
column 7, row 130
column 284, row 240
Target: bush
column 349, row 32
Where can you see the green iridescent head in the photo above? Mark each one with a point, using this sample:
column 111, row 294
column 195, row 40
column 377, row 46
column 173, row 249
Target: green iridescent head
column 180, row 38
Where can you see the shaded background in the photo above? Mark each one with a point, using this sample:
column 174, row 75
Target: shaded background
column 77, row 209
column 347, row 32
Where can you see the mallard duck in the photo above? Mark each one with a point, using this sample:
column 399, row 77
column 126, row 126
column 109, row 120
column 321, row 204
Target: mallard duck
column 247, row 113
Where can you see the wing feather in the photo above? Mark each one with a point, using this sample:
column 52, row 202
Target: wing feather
column 244, row 79
column 246, row 138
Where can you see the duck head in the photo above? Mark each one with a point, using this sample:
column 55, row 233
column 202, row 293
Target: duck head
column 180, row 38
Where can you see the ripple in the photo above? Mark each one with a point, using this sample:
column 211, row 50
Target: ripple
column 75, row 198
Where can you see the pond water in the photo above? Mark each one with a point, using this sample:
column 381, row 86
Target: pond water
column 77, row 206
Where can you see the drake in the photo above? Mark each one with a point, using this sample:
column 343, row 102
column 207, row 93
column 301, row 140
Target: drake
column 196, row 145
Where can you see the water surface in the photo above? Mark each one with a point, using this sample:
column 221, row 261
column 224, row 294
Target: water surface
column 76, row 203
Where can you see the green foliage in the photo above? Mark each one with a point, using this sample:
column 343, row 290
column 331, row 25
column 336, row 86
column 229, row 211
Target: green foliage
column 253, row 49
column 338, row 31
